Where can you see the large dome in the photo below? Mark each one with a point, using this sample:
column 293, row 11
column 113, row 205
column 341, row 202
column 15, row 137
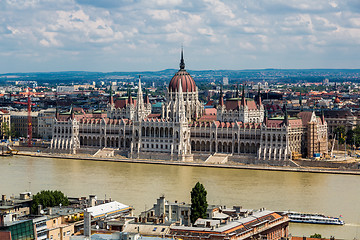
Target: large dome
column 183, row 77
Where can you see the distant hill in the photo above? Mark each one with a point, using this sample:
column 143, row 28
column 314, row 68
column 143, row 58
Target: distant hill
column 279, row 75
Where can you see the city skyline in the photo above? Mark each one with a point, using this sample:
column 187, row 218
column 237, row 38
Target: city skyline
column 84, row 35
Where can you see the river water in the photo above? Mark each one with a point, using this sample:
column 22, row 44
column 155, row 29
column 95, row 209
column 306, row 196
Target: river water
column 139, row 185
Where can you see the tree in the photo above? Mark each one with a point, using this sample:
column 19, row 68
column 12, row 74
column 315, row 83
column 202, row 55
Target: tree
column 198, row 202
column 5, row 130
column 48, row 198
column 316, row 235
column 340, row 134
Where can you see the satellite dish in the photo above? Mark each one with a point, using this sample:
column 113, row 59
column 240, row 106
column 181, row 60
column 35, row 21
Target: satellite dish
column 42, row 212
column 97, row 226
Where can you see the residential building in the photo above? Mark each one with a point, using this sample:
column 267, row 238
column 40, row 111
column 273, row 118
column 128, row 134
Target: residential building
column 46, row 123
column 19, row 121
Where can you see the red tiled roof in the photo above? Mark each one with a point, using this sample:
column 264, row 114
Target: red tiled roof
column 187, row 82
column 121, row 103
column 207, row 118
column 154, row 115
column 234, row 104
column 210, row 111
column 305, row 117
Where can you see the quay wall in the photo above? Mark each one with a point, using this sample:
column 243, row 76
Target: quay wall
column 328, row 164
column 196, row 164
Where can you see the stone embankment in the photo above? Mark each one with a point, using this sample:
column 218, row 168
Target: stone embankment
column 198, row 163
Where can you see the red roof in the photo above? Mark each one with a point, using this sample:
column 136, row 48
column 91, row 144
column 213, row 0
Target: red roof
column 187, row 82
column 207, row 118
column 121, row 103
column 234, row 104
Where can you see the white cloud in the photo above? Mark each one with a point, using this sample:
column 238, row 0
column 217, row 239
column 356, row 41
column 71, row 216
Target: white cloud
column 83, row 31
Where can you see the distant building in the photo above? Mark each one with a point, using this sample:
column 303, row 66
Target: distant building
column 19, row 121
column 225, row 81
column 339, row 117
column 46, row 120
column 5, row 120
column 65, row 89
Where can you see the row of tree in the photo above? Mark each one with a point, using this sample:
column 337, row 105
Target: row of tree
column 7, row 131
column 351, row 137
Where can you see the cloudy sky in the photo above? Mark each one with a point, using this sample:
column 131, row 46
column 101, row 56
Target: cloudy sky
column 131, row 35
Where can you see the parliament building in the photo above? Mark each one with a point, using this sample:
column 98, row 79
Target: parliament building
column 242, row 130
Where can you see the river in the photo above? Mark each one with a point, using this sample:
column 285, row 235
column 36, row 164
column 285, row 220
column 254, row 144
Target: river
column 139, row 185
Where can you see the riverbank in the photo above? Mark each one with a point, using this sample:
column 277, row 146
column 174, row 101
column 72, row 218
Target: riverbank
column 193, row 164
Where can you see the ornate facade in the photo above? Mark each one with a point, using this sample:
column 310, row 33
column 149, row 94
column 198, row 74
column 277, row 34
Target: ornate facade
column 241, row 128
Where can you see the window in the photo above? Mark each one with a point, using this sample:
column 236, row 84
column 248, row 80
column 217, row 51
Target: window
column 154, row 229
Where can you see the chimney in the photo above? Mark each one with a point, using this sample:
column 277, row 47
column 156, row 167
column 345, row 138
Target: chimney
column 3, row 198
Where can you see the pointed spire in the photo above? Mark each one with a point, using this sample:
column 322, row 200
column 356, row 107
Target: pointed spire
column 111, row 95
column 259, row 97
column 322, row 116
column 140, row 113
column 181, row 105
column 147, row 100
column 286, row 117
column 221, row 99
column 182, row 63
column 72, row 114
column 56, row 112
column 130, row 101
column 243, row 96
column 266, row 117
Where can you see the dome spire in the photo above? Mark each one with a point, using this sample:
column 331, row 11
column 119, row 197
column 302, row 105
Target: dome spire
column 182, row 63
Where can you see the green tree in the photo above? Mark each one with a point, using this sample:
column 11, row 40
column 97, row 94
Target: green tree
column 316, row 235
column 340, row 134
column 5, row 130
column 48, row 198
column 198, row 202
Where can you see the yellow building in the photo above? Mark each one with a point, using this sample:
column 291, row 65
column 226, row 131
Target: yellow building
column 59, row 229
